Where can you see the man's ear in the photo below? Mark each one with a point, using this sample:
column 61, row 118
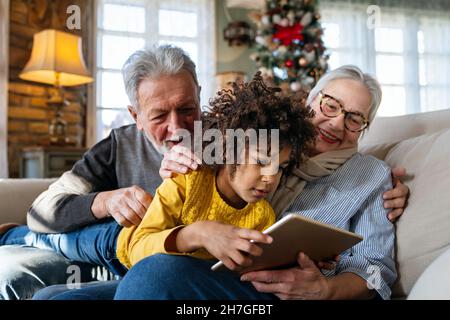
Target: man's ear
column 132, row 112
column 134, row 115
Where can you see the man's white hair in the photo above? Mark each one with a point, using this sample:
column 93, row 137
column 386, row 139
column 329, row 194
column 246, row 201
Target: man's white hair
column 152, row 63
column 354, row 73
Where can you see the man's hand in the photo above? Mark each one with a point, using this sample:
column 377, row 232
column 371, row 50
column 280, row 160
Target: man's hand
column 396, row 198
column 303, row 282
column 127, row 205
column 178, row 160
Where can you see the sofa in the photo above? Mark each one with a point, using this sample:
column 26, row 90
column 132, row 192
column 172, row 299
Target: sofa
column 421, row 144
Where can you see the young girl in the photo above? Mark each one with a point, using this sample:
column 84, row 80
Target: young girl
column 213, row 212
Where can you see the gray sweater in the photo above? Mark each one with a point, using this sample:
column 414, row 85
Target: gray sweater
column 123, row 159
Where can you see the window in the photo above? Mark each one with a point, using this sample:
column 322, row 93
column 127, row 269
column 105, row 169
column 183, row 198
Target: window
column 391, row 57
column 406, row 50
column 126, row 26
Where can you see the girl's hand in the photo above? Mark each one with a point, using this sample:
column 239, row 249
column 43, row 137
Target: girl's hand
column 231, row 244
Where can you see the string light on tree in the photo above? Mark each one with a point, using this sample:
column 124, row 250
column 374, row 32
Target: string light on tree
column 290, row 50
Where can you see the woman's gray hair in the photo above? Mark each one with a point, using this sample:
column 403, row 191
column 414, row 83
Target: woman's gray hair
column 152, row 63
column 354, row 73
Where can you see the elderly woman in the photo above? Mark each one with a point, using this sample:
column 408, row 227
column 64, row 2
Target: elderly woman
column 337, row 186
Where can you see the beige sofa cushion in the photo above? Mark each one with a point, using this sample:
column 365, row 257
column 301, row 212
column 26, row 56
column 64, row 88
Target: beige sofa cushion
column 379, row 151
column 423, row 230
column 16, row 196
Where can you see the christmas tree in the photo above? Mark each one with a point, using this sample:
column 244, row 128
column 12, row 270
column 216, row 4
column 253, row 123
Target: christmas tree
column 290, row 50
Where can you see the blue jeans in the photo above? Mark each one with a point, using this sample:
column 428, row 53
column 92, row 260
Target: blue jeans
column 98, row 290
column 164, row 277
column 94, row 244
column 25, row 270
column 170, row 277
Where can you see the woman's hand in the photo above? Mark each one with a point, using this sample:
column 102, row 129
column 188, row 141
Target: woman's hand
column 228, row 243
column 329, row 264
column 299, row 283
column 179, row 159
column 397, row 197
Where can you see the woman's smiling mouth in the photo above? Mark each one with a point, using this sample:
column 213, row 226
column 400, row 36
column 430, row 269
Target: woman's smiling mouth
column 327, row 136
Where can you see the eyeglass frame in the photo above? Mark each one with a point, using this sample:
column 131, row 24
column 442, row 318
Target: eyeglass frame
column 343, row 111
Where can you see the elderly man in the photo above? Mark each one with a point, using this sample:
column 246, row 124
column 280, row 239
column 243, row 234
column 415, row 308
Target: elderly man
column 118, row 176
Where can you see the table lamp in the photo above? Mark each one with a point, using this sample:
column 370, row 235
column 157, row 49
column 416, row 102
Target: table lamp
column 56, row 59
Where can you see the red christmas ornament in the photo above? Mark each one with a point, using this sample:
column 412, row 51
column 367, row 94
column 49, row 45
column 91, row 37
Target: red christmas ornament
column 289, row 63
column 288, row 34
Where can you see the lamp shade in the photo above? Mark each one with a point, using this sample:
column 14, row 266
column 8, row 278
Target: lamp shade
column 57, row 59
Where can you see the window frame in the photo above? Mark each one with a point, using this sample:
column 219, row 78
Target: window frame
column 149, row 38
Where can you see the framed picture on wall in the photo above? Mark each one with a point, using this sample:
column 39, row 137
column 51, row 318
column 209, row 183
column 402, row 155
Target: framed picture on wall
column 223, row 79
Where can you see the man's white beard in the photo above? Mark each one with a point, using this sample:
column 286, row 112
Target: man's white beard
column 164, row 148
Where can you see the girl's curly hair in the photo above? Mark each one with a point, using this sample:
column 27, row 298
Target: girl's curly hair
column 254, row 105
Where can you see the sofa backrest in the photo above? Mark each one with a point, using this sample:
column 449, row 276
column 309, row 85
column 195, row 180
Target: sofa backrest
column 394, row 129
column 421, row 144
column 17, row 195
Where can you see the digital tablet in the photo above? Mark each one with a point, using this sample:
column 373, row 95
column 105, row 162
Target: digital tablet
column 293, row 234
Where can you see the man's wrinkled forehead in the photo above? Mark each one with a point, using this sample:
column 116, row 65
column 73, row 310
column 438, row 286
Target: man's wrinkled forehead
column 166, row 93
column 170, row 104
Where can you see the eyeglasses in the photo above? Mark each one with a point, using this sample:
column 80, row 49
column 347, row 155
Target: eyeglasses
column 331, row 108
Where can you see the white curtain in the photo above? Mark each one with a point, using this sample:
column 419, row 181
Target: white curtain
column 407, row 48
column 346, row 34
column 4, row 22
column 436, row 62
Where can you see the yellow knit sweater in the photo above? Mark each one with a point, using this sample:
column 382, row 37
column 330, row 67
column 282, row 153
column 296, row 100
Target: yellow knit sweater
column 181, row 201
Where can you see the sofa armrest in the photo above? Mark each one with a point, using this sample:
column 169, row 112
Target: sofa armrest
column 434, row 282
column 17, row 195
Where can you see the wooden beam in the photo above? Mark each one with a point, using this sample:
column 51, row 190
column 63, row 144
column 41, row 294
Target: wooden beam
column 4, row 65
